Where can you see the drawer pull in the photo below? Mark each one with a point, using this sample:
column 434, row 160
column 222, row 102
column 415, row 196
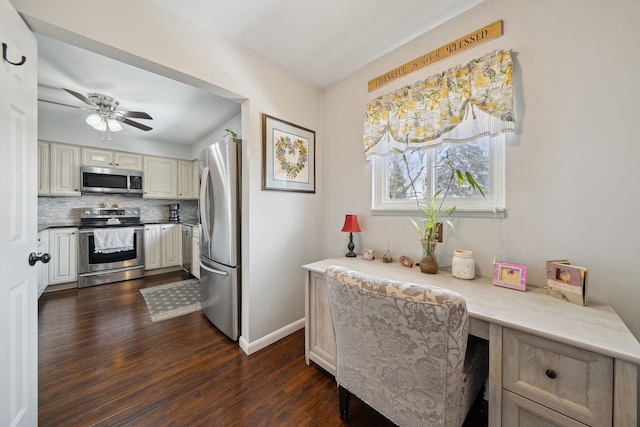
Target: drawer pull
column 551, row 373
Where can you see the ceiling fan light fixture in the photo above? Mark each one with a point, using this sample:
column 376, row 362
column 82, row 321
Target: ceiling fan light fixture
column 114, row 125
column 94, row 120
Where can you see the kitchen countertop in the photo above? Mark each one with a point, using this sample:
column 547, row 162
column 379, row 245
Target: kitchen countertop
column 42, row 227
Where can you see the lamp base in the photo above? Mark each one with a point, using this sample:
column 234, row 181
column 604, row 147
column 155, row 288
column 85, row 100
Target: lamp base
column 350, row 246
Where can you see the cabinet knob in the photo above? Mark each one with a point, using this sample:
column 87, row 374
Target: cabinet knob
column 551, row 373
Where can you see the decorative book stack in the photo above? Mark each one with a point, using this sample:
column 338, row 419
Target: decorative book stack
column 566, row 281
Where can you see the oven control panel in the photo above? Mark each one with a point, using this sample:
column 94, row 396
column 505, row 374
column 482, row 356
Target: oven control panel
column 109, row 213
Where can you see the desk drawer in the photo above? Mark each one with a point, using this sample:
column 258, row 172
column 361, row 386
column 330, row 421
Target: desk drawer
column 574, row 382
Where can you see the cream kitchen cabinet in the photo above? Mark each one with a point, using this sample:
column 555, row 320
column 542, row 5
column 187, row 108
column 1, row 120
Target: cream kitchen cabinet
column 65, row 170
column 162, row 245
column 195, row 261
column 111, row 159
column 63, row 247
column 43, row 269
column 44, row 169
column 187, row 176
column 160, row 178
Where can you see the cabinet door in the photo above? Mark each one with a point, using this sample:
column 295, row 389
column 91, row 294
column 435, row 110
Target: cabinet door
column 43, row 269
column 185, row 179
column 97, row 157
column 195, row 262
column 128, row 161
column 196, row 180
column 321, row 340
column 520, row 412
column 44, row 169
column 152, row 247
column 160, row 178
column 65, row 170
column 63, row 247
column 171, row 245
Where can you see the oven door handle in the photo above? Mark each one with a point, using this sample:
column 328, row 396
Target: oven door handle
column 90, row 230
column 213, row 270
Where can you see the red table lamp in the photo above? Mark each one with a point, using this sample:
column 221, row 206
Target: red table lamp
column 351, row 225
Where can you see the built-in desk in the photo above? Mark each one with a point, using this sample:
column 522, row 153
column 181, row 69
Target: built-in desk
column 550, row 362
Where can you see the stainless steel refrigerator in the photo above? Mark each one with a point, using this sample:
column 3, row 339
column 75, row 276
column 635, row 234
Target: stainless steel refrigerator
column 219, row 210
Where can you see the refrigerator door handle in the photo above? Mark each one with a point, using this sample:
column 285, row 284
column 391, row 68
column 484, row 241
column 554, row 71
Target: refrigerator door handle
column 213, row 270
column 204, row 205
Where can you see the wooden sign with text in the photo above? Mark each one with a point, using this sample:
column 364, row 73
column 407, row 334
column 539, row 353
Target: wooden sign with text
column 472, row 39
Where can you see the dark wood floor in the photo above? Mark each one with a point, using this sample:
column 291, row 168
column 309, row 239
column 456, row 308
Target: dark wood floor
column 102, row 362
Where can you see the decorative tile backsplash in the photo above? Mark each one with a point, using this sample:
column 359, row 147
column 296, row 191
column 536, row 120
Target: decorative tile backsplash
column 56, row 211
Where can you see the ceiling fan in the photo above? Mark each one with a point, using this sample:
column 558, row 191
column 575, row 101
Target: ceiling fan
column 106, row 116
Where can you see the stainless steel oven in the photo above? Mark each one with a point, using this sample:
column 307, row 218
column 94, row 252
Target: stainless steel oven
column 100, row 267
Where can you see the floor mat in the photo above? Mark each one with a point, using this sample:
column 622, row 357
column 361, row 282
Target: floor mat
column 173, row 299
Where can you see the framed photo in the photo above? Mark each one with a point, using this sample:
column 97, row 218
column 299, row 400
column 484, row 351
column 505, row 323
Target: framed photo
column 509, row 275
column 288, row 156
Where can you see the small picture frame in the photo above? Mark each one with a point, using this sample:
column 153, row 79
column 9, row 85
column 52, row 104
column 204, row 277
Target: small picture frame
column 288, row 156
column 369, row 254
column 510, row 275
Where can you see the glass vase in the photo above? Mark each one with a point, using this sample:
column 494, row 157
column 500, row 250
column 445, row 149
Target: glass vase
column 429, row 262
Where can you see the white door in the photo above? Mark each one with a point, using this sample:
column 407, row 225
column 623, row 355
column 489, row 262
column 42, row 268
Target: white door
column 18, row 222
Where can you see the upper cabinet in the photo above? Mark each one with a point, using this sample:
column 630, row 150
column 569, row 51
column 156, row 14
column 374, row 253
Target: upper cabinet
column 187, row 179
column 44, row 169
column 160, row 178
column 65, row 170
column 111, row 159
column 163, row 177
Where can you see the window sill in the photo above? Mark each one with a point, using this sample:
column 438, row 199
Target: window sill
column 459, row 213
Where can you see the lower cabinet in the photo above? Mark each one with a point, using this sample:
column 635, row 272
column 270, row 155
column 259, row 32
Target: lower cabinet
column 63, row 247
column 43, row 269
column 561, row 384
column 195, row 263
column 162, row 246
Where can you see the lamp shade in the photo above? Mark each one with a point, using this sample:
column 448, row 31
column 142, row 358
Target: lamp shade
column 351, row 224
column 94, row 120
column 114, row 125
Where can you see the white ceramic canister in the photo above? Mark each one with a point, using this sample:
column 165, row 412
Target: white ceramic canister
column 463, row 266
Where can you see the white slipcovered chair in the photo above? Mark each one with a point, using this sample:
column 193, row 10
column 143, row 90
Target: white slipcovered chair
column 402, row 349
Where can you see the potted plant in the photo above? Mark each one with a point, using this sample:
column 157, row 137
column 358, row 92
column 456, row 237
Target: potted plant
column 432, row 210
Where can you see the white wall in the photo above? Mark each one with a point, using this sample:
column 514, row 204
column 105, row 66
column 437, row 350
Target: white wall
column 234, row 124
column 571, row 166
column 279, row 228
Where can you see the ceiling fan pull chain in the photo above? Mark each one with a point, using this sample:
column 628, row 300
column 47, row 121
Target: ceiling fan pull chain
column 4, row 56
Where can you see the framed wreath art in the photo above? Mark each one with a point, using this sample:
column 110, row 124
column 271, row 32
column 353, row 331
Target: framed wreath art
column 288, row 156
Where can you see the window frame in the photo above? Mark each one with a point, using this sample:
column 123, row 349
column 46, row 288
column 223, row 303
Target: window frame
column 476, row 206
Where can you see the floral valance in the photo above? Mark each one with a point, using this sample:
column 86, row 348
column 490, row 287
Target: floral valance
column 458, row 105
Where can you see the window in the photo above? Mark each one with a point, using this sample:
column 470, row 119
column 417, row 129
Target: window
column 484, row 158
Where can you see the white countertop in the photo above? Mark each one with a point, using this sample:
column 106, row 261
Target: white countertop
column 595, row 327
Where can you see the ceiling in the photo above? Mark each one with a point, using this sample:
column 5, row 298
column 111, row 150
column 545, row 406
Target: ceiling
column 320, row 41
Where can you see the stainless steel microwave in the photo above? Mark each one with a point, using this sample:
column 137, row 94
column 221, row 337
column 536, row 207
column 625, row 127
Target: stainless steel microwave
column 110, row 180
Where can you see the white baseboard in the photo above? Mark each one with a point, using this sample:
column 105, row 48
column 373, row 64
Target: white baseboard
column 267, row 340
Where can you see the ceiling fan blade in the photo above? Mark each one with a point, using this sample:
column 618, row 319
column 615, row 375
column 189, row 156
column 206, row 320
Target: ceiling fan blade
column 80, row 96
column 135, row 124
column 66, row 105
column 135, row 114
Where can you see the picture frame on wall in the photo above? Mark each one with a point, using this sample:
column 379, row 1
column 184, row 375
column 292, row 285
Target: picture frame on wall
column 288, row 156
column 510, row 275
